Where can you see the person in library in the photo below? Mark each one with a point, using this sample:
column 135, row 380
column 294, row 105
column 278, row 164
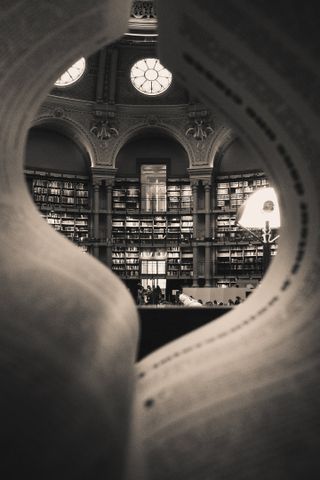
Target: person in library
column 149, row 295
column 140, row 294
column 157, row 295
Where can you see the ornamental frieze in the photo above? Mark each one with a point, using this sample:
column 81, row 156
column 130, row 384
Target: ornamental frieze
column 106, row 132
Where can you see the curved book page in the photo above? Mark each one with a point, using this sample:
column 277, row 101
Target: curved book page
column 68, row 326
column 239, row 398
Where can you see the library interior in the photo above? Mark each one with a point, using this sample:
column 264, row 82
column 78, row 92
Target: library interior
column 159, row 249
column 124, row 162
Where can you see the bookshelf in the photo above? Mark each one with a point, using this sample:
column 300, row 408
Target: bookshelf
column 119, row 261
column 179, row 197
column 173, row 231
column 126, row 196
column 126, row 261
column 187, row 263
column 134, row 225
column 53, row 189
column 63, row 201
column 159, row 228
column 186, row 228
column 151, row 229
column 237, row 253
column 135, row 230
column 233, row 190
column 173, row 262
column 179, row 262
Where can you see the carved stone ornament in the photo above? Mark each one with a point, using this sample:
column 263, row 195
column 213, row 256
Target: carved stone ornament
column 142, row 10
column 152, row 120
column 199, row 130
column 104, row 131
column 58, row 112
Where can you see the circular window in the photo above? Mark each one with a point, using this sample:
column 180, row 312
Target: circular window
column 72, row 75
column 149, row 77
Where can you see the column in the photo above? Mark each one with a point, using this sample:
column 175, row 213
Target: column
column 194, row 186
column 213, row 207
column 195, row 267
column 96, row 208
column 213, row 262
column 109, row 185
column 213, row 232
column 109, row 210
column 207, row 206
column 207, row 266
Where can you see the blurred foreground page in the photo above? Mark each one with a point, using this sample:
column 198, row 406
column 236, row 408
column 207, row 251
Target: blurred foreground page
column 239, row 398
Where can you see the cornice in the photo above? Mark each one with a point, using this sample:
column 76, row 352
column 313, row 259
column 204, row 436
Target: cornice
column 163, row 110
column 103, row 172
column 85, row 105
column 199, row 172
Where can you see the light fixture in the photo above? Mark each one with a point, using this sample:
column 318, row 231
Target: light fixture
column 261, row 212
column 261, row 207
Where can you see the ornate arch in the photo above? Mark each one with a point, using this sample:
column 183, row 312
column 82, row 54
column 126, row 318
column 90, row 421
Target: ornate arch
column 222, row 138
column 74, row 130
column 169, row 130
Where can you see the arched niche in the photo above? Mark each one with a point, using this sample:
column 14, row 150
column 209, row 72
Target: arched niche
column 52, row 150
column 153, row 147
column 237, row 158
column 163, row 130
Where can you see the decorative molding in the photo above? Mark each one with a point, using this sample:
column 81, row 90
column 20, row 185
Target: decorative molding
column 194, row 183
column 207, row 184
column 109, row 183
column 58, row 112
column 96, row 183
column 203, row 174
column 107, row 174
column 143, row 10
column 103, row 131
column 152, row 120
column 200, row 130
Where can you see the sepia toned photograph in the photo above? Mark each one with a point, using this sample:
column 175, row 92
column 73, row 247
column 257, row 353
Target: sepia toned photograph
column 159, row 241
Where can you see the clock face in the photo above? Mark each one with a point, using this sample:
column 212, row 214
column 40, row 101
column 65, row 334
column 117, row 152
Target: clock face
column 149, row 77
column 72, row 75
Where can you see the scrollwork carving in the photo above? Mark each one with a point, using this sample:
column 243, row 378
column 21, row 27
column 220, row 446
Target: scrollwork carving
column 142, row 10
column 199, row 130
column 104, row 131
column 200, row 127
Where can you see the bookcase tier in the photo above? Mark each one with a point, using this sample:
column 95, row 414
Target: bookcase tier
column 63, row 201
column 135, row 224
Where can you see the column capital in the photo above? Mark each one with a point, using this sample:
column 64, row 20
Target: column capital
column 207, row 184
column 194, row 182
column 109, row 182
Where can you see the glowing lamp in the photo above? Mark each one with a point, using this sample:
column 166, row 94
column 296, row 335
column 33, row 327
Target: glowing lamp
column 260, row 210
